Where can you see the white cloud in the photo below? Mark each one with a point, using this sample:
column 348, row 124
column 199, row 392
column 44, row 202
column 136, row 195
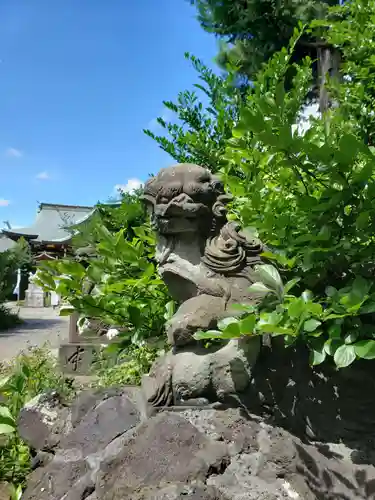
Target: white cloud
column 43, row 176
column 129, row 187
column 13, row 153
column 4, row 203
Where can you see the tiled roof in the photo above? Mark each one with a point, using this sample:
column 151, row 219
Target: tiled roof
column 52, row 223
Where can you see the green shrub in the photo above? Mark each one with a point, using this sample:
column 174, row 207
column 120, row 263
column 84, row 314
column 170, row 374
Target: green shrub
column 310, row 197
column 132, row 363
column 28, row 375
column 118, row 282
column 16, row 258
column 8, row 319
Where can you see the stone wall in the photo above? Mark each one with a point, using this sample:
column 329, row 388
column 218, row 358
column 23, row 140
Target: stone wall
column 320, row 403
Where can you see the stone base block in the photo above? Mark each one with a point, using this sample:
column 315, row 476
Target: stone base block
column 34, row 299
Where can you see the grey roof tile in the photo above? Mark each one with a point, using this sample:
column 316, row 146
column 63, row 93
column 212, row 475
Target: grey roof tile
column 52, row 223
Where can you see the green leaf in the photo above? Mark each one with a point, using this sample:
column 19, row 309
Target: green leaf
column 307, row 296
column 331, row 345
column 334, row 331
column 126, row 251
column 311, row 325
column 253, row 120
column 15, row 492
column 169, row 310
column 250, row 233
column 5, row 413
column 344, row 356
column 291, row 284
column 4, row 382
column 289, row 340
column 280, row 94
column 209, row 334
column 6, row 428
column 72, row 268
column 247, row 324
column 232, row 330
column 324, row 234
column 215, row 334
column 362, row 220
column 351, row 337
column 223, row 323
column 7, row 423
column 314, row 308
column 365, row 349
column 358, row 293
column 361, row 287
column 330, row 291
column 349, row 147
column 243, row 307
column 279, row 257
column 104, row 233
column 336, row 316
column 317, row 357
column 316, row 333
column 66, row 310
column 25, row 368
column 296, row 308
column 368, row 308
column 94, row 272
column 259, row 288
column 134, row 315
column 275, row 329
column 46, row 281
column 270, row 276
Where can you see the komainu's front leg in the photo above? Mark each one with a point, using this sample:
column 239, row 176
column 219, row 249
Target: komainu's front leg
column 198, row 313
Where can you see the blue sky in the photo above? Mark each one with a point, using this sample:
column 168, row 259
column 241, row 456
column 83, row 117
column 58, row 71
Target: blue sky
column 79, row 80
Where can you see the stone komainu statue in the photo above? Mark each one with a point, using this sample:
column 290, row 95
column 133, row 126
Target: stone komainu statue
column 208, row 265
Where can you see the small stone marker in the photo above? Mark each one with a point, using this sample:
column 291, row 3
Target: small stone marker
column 80, row 353
column 78, row 358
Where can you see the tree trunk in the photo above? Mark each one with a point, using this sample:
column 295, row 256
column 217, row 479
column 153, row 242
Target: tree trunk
column 328, row 67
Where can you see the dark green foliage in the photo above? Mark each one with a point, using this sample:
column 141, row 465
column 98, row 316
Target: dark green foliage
column 8, row 319
column 129, row 213
column 10, row 261
column 18, row 257
column 121, row 215
column 253, row 30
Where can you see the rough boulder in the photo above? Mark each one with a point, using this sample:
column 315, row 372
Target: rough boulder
column 110, row 449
